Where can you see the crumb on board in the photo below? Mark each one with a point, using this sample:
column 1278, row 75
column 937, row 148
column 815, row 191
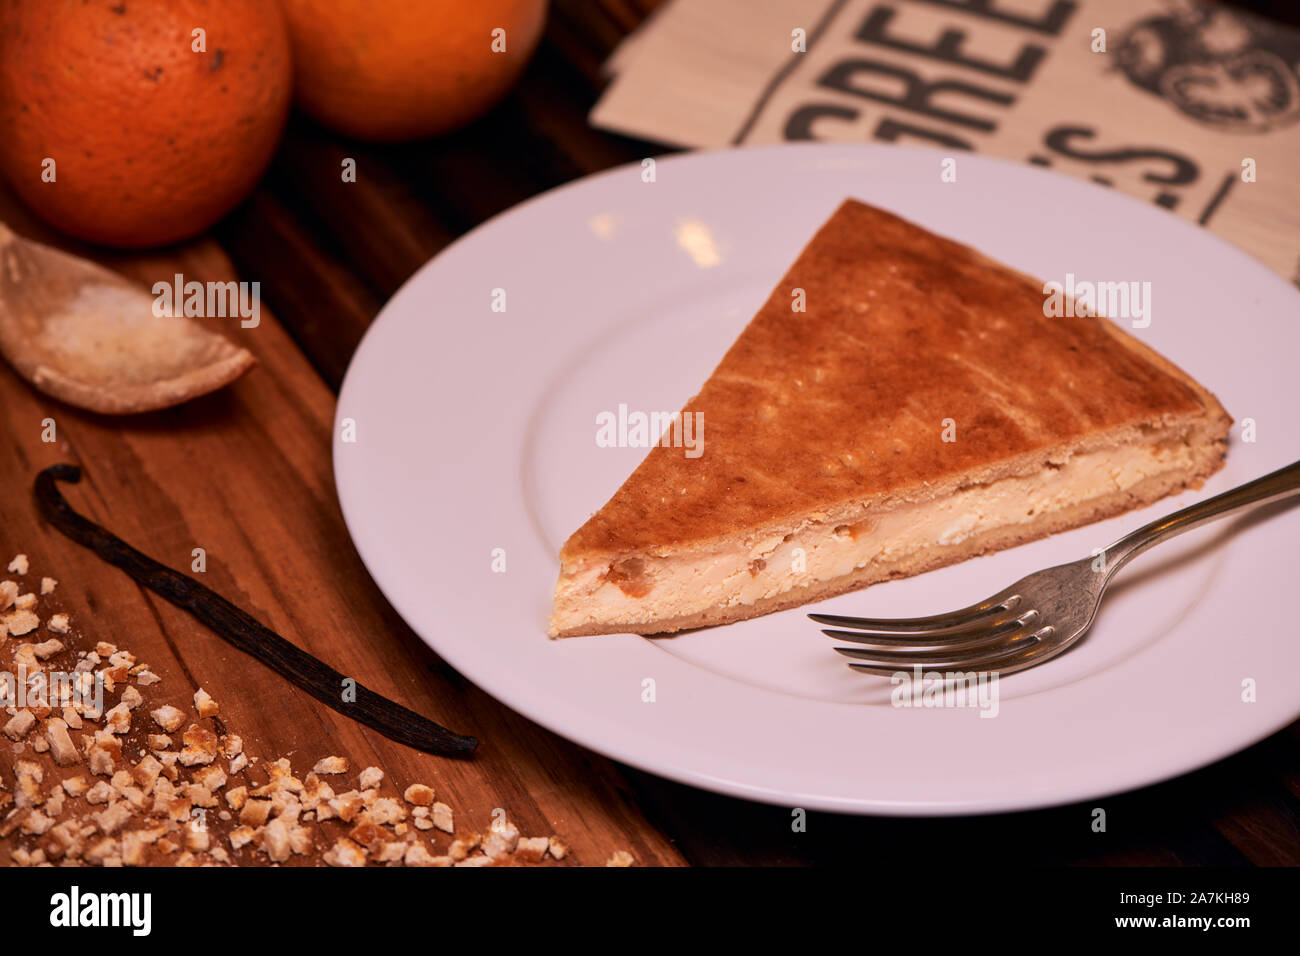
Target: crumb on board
column 204, row 704
column 21, row 622
column 331, row 765
column 419, row 795
column 167, row 717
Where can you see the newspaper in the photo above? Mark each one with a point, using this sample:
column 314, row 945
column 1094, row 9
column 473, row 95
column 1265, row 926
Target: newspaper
column 1191, row 106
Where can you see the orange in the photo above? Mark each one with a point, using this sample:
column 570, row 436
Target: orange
column 397, row 70
column 152, row 139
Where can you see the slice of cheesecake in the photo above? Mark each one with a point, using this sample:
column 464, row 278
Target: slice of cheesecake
column 922, row 409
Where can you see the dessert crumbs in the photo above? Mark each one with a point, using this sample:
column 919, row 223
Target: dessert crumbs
column 130, row 779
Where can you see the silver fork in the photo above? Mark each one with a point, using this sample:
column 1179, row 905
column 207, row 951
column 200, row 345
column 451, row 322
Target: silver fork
column 1038, row 617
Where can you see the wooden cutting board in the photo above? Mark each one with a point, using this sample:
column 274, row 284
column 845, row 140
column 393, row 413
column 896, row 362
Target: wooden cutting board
column 245, row 475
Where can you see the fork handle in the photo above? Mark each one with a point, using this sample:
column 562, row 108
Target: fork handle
column 1272, row 487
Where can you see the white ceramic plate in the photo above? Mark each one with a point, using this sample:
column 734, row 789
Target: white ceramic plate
column 475, row 431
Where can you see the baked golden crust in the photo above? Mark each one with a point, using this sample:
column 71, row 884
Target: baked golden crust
column 812, row 413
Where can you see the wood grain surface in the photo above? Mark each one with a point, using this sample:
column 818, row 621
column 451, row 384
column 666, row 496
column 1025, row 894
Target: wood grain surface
column 246, row 475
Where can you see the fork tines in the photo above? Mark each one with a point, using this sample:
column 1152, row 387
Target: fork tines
column 985, row 636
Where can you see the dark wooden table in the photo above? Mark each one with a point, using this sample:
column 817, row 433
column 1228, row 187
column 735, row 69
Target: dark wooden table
column 245, row 473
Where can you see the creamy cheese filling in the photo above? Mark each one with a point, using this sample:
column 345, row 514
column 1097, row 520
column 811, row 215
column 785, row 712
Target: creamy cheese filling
column 691, row 582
